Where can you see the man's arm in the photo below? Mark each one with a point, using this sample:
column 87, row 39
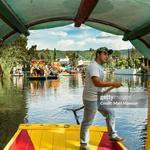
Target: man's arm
column 99, row 83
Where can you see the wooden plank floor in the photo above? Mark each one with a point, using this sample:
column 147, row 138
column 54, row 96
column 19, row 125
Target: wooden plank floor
column 56, row 137
column 61, row 138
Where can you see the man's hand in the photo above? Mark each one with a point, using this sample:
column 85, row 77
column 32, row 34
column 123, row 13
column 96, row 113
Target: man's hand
column 117, row 84
column 100, row 83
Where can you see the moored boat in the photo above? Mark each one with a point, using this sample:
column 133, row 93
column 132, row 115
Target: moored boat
column 59, row 137
column 18, row 75
column 42, row 77
column 36, row 77
column 51, row 77
column 17, row 71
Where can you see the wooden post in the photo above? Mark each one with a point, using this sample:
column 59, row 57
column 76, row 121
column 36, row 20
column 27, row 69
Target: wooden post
column 148, row 118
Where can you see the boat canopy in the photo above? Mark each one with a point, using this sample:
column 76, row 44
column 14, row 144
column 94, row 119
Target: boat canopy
column 130, row 18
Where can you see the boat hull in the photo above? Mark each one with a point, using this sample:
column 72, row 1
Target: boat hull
column 37, row 78
column 59, row 137
column 43, row 78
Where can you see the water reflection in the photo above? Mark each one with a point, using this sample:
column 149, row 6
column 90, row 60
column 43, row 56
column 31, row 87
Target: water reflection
column 75, row 81
column 18, row 81
column 37, row 87
column 49, row 102
column 12, row 110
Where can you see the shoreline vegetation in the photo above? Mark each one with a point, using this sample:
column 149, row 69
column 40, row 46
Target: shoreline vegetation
column 18, row 54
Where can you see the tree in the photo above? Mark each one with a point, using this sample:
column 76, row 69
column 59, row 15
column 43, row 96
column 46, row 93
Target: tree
column 54, row 55
column 92, row 52
column 73, row 57
column 116, row 54
column 13, row 55
column 131, row 63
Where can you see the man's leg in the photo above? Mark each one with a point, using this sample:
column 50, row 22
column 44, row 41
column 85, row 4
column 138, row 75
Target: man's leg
column 90, row 109
column 109, row 114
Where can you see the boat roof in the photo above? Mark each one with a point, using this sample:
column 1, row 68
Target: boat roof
column 130, row 18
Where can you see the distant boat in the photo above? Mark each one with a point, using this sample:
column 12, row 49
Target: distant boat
column 65, row 74
column 125, row 71
column 51, row 77
column 18, row 75
column 17, row 71
column 36, row 77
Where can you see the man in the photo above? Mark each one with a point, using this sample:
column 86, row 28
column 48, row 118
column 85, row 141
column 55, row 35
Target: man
column 93, row 85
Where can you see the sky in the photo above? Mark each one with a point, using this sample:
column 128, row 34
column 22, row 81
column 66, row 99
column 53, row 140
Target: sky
column 71, row 38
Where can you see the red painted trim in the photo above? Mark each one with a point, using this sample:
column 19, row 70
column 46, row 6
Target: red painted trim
column 1, row 42
column 84, row 11
column 9, row 34
column 22, row 142
column 106, row 144
column 108, row 23
column 39, row 22
column 49, row 20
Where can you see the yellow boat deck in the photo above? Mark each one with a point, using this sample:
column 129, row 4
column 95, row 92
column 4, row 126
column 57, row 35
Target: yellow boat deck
column 59, row 137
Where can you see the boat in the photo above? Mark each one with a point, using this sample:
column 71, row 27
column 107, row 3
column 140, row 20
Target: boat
column 36, row 77
column 125, row 71
column 17, row 71
column 42, row 77
column 66, row 74
column 51, row 77
column 59, row 137
column 40, row 71
column 17, row 75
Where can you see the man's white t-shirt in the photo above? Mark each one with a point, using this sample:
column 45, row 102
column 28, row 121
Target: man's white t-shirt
column 90, row 92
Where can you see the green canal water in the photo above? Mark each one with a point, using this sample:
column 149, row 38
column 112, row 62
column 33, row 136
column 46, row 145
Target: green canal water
column 23, row 101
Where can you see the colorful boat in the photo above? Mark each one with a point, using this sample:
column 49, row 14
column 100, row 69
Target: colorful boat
column 36, row 77
column 42, row 77
column 59, row 137
column 51, row 77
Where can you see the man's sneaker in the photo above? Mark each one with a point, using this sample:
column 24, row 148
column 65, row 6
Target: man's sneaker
column 84, row 146
column 116, row 138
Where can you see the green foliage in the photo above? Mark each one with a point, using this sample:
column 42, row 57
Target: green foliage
column 73, row 57
column 137, row 63
column 18, row 54
column 131, row 63
column 13, row 55
column 116, row 54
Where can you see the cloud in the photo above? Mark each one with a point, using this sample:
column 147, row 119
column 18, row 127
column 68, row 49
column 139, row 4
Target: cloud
column 80, row 43
column 32, row 31
column 65, row 44
column 41, row 45
column 104, row 35
column 92, row 40
column 70, row 44
column 58, row 33
column 113, row 41
column 84, row 27
column 70, row 38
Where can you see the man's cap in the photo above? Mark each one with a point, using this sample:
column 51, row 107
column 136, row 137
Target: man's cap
column 104, row 49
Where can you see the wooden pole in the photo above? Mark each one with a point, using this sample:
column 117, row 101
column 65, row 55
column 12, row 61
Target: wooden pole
column 148, row 118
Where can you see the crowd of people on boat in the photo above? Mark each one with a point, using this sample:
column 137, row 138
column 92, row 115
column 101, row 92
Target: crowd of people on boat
column 46, row 70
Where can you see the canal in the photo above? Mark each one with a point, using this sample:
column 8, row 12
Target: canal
column 51, row 101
